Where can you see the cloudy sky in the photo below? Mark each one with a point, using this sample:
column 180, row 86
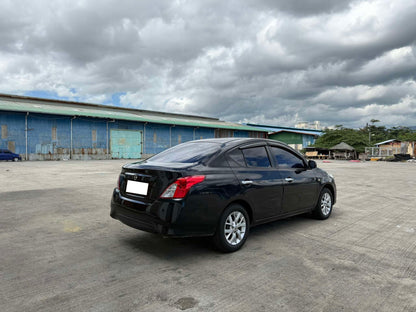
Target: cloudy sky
column 272, row 62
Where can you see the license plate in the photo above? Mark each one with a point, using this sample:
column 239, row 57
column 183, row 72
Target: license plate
column 135, row 187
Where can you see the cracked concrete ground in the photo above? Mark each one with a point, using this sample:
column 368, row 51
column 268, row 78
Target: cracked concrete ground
column 61, row 251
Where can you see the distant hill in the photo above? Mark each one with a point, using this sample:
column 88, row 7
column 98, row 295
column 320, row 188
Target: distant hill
column 413, row 128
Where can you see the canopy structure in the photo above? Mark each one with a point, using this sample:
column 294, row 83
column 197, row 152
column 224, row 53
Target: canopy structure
column 342, row 147
column 343, row 151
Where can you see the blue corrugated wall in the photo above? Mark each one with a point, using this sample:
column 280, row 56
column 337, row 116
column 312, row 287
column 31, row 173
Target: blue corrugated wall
column 82, row 133
column 15, row 124
column 307, row 140
column 204, row 133
column 49, row 136
column 40, row 137
column 156, row 138
column 240, row 134
column 182, row 134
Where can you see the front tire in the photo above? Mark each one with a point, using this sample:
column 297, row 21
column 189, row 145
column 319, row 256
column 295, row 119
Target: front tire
column 323, row 208
column 233, row 228
column 15, row 159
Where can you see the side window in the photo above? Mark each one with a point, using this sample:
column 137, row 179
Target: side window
column 285, row 159
column 220, row 161
column 256, row 157
column 236, row 158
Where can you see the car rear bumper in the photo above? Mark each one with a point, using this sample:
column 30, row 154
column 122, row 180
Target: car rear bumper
column 137, row 220
column 168, row 218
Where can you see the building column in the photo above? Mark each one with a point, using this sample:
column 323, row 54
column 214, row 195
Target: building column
column 70, row 151
column 26, row 130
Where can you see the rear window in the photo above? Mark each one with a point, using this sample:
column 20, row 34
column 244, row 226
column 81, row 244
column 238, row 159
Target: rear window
column 187, row 153
column 236, row 158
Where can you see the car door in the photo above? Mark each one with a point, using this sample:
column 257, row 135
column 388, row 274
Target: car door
column 3, row 155
column 261, row 184
column 301, row 185
column 7, row 155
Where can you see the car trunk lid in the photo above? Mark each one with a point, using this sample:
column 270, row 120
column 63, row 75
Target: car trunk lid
column 146, row 181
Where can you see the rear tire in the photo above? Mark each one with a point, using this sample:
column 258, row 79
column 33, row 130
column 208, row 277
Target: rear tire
column 323, row 208
column 232, row 230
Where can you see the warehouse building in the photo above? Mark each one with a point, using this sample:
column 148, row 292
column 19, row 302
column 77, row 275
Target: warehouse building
column 295, row 137
column 44, row 129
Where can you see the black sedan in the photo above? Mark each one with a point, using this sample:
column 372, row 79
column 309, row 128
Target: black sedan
column 220, row 188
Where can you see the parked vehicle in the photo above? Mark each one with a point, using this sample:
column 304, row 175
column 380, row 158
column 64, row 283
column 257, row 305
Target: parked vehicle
column 5, row 154
column 220, row 188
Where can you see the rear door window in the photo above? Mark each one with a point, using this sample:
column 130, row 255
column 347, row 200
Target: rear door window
column 285, row 159
column 256, row 157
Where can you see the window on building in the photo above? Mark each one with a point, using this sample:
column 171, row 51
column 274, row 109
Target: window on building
column 11, row 146
column 94, row 135
column 4, row 131
column 54, row 134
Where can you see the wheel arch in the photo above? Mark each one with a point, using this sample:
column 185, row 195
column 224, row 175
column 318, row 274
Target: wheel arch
column 245, row 205
column 331, row 188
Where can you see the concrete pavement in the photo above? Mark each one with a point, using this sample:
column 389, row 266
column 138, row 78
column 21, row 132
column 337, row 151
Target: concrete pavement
column 61, row 251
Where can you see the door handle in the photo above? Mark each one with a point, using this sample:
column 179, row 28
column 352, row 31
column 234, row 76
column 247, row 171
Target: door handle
column 289, row 180
column 246, row 182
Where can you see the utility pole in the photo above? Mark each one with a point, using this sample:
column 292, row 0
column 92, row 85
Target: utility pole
column 369, row 141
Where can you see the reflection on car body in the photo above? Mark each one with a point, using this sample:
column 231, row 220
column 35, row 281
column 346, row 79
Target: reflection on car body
column 220, row 188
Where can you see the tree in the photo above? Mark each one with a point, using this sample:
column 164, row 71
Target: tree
column 402, row 133
column 359, row 139
column 374, row 133
column 331, row 137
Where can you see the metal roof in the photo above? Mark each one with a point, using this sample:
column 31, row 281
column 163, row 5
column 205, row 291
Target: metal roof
column 388, row 141
column 299, row 132
column 272, row 129
column 57, row 107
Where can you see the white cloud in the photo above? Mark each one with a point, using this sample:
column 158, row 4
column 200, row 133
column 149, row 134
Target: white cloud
column 263, row 61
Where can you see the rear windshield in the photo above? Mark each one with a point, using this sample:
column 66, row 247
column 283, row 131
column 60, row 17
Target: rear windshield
column 187, row 153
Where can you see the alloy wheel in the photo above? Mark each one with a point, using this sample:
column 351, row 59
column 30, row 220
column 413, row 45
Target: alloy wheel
column 326, row 204
column 235, row 228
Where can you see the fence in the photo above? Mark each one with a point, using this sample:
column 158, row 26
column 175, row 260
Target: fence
column 382, row 151
column 386, row 151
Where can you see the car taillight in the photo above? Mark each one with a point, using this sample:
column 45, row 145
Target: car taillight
column 118, row 183
column 181, row 187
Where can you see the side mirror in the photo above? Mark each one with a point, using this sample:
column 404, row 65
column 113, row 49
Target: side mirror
column 312, row 164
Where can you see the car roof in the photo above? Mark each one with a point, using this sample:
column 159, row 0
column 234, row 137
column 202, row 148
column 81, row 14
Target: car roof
column 225, row 144
column 230, row 142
